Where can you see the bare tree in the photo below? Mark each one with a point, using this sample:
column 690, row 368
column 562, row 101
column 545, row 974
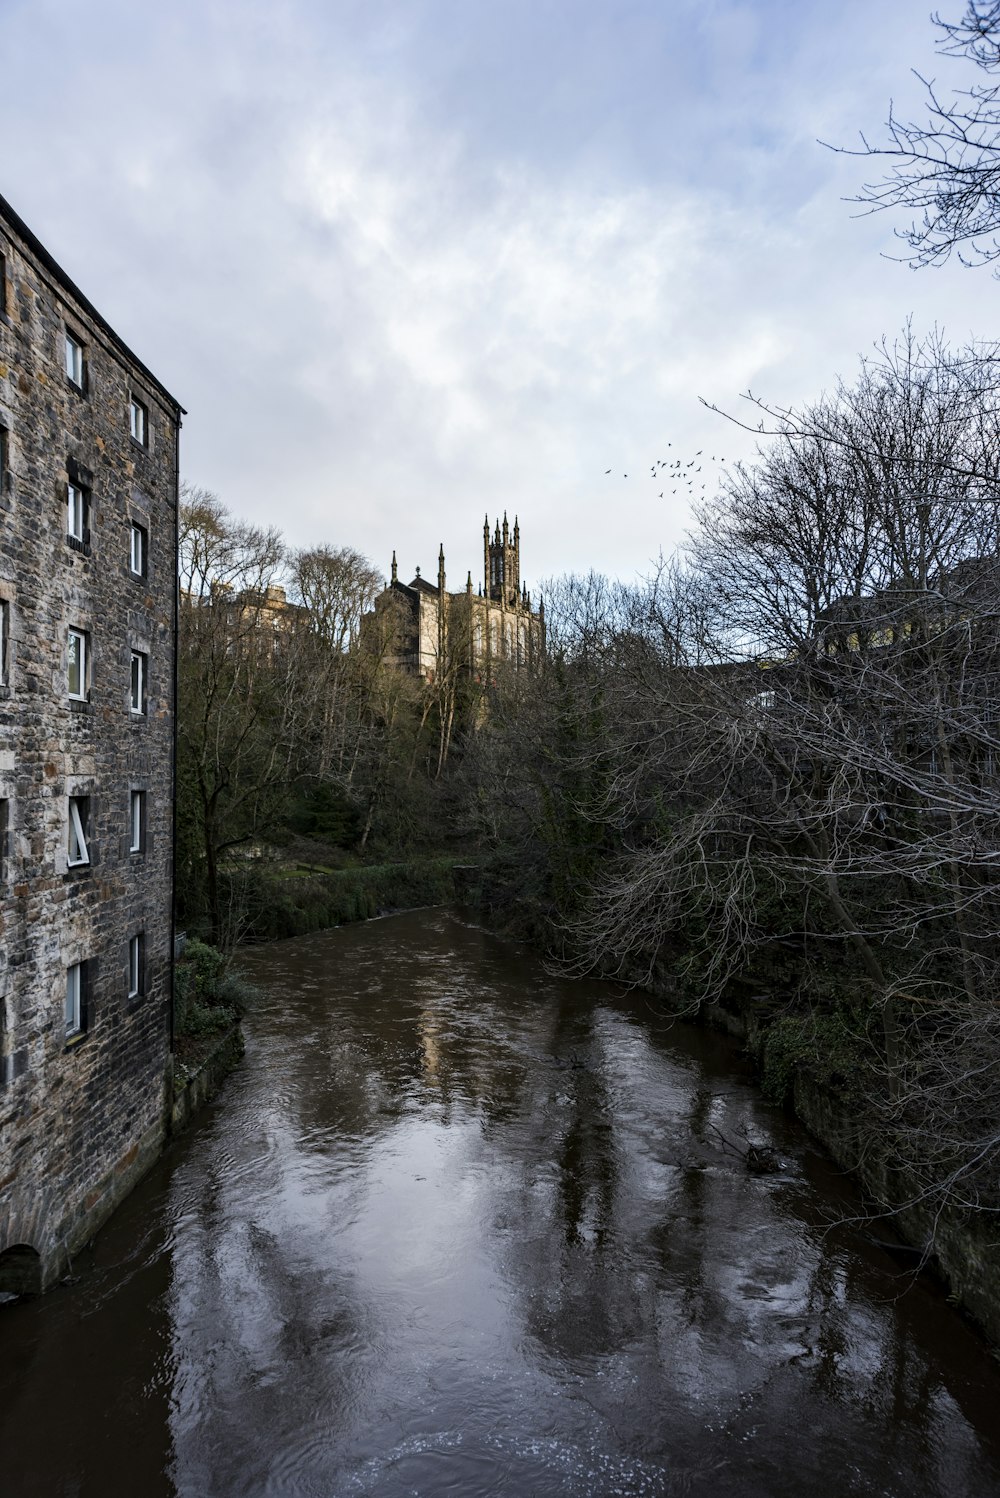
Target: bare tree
column 334, row 590
column 779, row 760
column 946, row 169
column 241, row 707
column 337, row 587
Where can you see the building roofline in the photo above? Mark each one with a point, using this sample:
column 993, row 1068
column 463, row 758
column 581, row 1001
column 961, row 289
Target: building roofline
column 55, row 270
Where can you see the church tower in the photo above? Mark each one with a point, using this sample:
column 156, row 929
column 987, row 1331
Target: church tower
column 502, row 564
column 498, row 625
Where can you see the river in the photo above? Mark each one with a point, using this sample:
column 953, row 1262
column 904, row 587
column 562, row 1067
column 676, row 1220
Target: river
column 459, row 1228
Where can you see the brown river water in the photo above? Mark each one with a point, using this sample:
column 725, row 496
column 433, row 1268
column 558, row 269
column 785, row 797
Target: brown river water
column 460, row 1228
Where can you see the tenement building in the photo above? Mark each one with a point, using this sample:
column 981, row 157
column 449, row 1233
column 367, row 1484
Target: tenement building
column 478, row 630
column 88, row 543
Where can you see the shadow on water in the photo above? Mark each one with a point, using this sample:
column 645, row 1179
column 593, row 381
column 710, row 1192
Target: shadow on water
column 459, row 1228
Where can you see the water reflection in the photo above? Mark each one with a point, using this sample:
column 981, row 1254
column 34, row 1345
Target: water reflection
column 457, row 1228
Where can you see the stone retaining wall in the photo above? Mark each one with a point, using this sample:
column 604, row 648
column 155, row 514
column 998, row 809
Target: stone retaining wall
column 202, row 1084
column 964, row 1248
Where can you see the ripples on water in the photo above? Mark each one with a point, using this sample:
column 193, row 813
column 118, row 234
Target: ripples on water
column 458, row 1229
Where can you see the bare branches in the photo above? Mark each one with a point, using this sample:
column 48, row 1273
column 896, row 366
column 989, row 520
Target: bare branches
column 909, row 372
column 946, row 168
column 278, row 694
column 780, row 756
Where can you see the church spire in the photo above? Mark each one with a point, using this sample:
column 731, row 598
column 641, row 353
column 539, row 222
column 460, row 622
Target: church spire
column 395, row 570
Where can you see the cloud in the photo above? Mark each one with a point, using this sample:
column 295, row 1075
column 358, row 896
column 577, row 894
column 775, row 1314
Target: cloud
column 406, row 263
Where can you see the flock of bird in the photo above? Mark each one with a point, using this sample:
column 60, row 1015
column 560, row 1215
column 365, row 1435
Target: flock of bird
column 677, row 472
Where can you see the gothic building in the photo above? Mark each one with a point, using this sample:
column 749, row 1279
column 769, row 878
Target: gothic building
column 474, row 630
column 88, row 548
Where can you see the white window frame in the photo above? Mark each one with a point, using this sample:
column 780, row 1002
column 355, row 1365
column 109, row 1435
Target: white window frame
column 75, row 990
column 77, row 829
column 83, row 650
column 137, row 550
column 135, row 954
column 76, row 511
column 74, row 360
column 138, row 421
column 139, row 669
column 137, row 821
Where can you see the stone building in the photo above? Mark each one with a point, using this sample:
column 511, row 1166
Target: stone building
column 88, row 545
column 474, row 630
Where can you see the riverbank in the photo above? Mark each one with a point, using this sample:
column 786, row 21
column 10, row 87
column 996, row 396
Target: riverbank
column 825, row 1083
column 959, row 1247
column 283, row 901
column 197, row 1079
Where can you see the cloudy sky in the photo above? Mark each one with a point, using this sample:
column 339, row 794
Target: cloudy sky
column 409, row 261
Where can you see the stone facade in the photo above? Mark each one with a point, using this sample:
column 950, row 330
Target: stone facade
column 477, row 630
column 88, row 545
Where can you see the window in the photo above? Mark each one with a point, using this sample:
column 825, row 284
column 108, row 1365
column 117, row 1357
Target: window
column 138, row 422
column 137, row 822
column 4, row 829
column 4, row 643
column 79, row 826
column 137, row 700
column 4, row 456
column 78, row 665
column 76, row 999
column 77, row 511
column 136, row 965
column 137, row 550
column 74, row 361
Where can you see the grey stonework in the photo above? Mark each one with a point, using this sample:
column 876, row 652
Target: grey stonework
column 480, row 630
column 81, row 1115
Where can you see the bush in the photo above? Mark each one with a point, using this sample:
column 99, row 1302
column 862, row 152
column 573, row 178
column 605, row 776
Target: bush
column 830, row 1046
column 207, row 997
column 290, row 903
